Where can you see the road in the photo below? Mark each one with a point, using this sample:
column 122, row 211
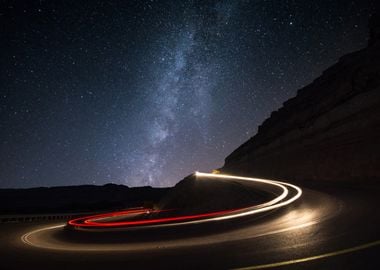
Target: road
column 331, row 226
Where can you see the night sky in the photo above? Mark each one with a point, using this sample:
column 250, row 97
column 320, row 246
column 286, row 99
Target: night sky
column 146, row 92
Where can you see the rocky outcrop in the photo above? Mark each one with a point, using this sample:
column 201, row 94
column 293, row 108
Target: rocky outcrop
column 329, row 131
column 194, row 195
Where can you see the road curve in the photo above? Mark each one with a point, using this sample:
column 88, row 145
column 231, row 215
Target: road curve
column 329, row 227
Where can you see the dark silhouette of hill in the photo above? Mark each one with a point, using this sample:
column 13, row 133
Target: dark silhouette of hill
column 199, row 195
column 71, row 199
column 329, row 131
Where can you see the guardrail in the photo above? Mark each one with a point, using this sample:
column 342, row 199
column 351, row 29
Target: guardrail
column 41, row 217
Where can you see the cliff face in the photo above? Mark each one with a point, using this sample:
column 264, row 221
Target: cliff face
column 329, row 131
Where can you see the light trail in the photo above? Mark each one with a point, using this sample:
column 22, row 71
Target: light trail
column 280, row 201
column 314, row 209
column 300, row 218
column 25, row 238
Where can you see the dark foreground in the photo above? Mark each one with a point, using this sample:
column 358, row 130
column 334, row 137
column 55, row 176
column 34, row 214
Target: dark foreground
column 330, row 227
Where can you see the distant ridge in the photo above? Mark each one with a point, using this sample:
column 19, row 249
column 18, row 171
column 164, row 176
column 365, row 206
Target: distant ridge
column 76, row 198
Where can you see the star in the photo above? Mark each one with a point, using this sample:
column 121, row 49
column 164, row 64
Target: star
column 147, row 92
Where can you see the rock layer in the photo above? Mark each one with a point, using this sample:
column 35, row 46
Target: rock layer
column 329, row 131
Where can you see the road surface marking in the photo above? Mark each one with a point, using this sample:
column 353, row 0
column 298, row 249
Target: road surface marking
column 312, row 258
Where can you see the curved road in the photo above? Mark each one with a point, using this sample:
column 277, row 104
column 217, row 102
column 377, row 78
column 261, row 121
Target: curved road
column 330, row 226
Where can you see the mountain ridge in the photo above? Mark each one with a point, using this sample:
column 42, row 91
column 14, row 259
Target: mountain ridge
column 81, row 198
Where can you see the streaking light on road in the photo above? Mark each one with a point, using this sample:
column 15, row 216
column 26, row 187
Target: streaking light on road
column 289, row 194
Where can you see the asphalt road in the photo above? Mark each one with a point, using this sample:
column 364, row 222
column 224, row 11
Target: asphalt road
column 331, row 226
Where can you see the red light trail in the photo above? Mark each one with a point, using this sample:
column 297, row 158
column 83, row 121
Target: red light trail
column 100, row 220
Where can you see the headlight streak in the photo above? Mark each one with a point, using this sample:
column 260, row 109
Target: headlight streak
column 25, row 238
column 91, row 221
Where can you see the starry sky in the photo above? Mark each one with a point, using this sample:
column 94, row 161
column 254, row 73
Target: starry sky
column 147, row 92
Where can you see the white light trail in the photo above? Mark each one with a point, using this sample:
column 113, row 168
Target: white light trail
column 271, row 205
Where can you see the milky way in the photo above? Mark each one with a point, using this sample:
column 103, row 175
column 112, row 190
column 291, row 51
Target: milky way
column 146, row 92
column 179, row 102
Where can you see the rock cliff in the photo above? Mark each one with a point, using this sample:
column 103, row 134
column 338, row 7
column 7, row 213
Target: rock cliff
column 329, row 131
